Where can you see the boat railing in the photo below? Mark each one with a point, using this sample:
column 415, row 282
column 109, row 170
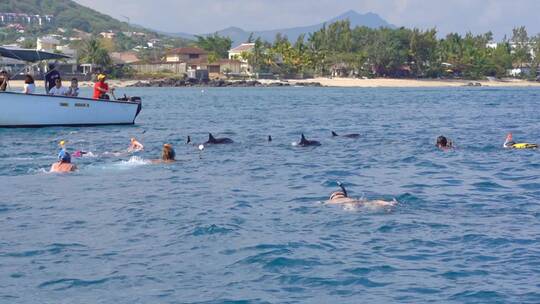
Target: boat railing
column 73, row 97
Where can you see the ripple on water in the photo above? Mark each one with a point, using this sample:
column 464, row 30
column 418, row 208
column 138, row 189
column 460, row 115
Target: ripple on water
column 67, row 283
column 244, row 223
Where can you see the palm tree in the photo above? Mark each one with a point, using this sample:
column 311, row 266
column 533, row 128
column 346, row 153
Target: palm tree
column 93, row 52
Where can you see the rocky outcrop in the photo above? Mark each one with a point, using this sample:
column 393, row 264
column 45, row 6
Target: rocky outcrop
column 171, row 82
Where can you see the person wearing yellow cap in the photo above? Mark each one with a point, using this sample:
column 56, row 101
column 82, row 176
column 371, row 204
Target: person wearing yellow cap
column 101, row 88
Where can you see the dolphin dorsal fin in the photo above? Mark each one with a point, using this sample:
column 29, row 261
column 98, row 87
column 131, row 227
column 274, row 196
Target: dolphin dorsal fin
column 269, row 137
column 188, row 141
column 334, row 133
column 211, row 137
column 303, row 138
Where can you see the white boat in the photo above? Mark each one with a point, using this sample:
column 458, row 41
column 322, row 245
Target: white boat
column 29, row 110
column 34, row 110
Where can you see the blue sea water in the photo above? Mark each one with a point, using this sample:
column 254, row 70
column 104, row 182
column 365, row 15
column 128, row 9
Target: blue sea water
column 244, row 223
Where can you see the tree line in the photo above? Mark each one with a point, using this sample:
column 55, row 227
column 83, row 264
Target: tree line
column 387, row 52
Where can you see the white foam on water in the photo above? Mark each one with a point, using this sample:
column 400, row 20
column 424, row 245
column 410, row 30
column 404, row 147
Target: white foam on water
column 89, row 154
column 294, row 144
column 39, row 171
column 114, row 154
column 133, row 161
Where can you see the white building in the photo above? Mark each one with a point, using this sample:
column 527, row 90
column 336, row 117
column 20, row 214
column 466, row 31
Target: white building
column 238, row 53
column 47, row 44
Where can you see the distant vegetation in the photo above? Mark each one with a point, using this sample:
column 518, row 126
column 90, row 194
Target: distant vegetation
column 384, row 52
column 70, row 16
column 216, row 46
column 67, row 14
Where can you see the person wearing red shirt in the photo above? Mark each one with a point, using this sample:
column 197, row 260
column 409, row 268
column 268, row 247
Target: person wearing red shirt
column 101, row 88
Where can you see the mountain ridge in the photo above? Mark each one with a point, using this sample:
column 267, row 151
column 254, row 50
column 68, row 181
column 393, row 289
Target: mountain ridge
column 239, row 35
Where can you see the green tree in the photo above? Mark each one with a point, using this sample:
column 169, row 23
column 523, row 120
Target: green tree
column 422, row 48
column 93, row 52
column 215, row 44
column 520, row 40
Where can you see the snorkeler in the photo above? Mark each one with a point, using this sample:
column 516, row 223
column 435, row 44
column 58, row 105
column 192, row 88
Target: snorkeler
column 135, row 146
column 64, row 161
column 510, row 144
column 167, row 154
column 341, row 197
column 443, row 143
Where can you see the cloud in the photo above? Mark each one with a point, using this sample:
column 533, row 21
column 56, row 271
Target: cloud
column 204, row 16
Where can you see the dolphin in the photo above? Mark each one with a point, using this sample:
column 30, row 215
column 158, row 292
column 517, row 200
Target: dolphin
column 217, row 141
column 305, row 142
column 353, row 135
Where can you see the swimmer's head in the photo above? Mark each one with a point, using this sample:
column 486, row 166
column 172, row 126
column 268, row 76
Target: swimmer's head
column 442, row 142
column 168, row 154
column 509, row 141
column 64, row 157
column 133, row 139
column 337, row 194
column 62, row 143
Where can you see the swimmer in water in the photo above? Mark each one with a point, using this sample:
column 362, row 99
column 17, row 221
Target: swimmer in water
column 167, row 154
column 64, row 161
column 443, row 143
column 341, row 197
column 509, row 143
column 135, row 146
column 79, row 153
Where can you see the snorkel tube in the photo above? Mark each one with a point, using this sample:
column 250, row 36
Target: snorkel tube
column 343, row 189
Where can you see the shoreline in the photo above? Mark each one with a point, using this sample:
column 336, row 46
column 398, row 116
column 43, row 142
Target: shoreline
column 341, row 83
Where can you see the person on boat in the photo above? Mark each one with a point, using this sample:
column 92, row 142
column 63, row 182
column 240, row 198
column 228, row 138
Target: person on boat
column 4, row 80
column 341, row 197
column 58, row 89
column 444, row 143
column 167, row 154
column 29, row 85
column 509, row 143
column 73, row 90
column 101, row 88
column 135, row 145
column 63, row 164
column 50, row 77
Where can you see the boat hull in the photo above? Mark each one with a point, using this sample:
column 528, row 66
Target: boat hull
column 24, row 111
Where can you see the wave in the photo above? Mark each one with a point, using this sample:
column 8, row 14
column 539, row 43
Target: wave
column 133, row 161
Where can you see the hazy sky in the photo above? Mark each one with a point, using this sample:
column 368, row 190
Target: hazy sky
column 204, row 16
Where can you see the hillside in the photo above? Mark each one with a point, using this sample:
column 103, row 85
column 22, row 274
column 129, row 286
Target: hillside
column 239, row 35
column 67, row 14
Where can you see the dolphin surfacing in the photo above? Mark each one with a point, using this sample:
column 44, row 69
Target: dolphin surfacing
column 306, row 142
column 352, row 135
column 219, row 140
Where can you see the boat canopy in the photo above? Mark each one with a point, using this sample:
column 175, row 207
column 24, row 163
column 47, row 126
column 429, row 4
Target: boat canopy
column 29, row 55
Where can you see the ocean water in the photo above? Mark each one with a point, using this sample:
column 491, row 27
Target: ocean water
column 244, row 223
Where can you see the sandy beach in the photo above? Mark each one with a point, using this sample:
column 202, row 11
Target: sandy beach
column 346, row 82
column 412, row 83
